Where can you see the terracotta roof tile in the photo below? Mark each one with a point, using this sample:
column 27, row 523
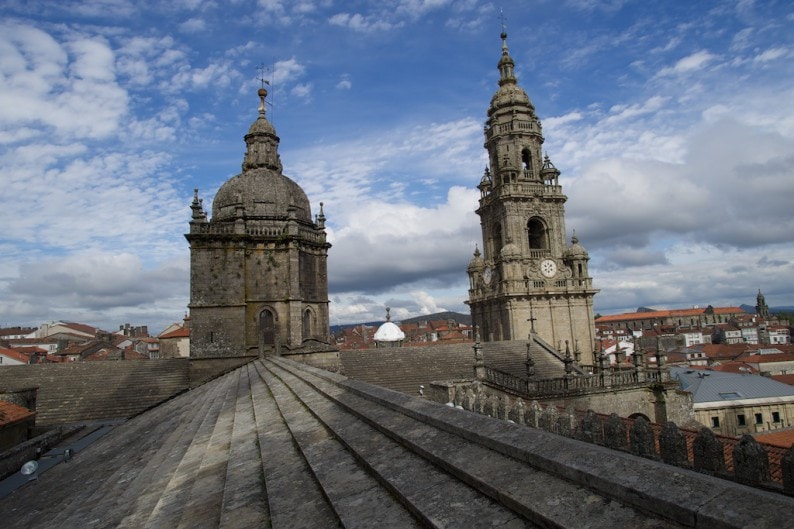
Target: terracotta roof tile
column 786, row 379
column 767, row 358
column 182, row 332
column 31, row 349
column 16, row 355
column 13, row 413
column 80, row 327
column 782, row 438
column 674, row 313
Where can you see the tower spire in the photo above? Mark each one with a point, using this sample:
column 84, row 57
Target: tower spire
column 506, row 64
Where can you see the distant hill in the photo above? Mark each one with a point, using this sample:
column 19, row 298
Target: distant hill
column 463, row 319
column 750, row 309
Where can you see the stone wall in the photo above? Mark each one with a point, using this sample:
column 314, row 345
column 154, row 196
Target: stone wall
column 82, row 391
column 205, row 369
column 12, row 459
column 19, row 395
column 217, row 331
column 328, row 360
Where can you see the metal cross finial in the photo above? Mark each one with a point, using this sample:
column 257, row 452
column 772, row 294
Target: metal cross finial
column 531, row 320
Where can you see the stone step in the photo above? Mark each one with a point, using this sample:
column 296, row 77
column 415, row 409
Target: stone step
column 354, row 495
column 153, row 472
column 244, row 502
column 203, row 507
column 540, row 497
column 438, row 499
column 169, row 508
column 124, row 483
column 294, row 497
column 155, row 477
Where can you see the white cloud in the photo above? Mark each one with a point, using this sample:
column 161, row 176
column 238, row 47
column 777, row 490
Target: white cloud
column 303, row 91
column 288, row 71
column 689, row 64
column 71, row 87
column 382, row 244
column 417, row 8
column 771, row 54
column 95, row 287
column 217, row 74
column 571, row 117
column 360, row 23
column 193, row 25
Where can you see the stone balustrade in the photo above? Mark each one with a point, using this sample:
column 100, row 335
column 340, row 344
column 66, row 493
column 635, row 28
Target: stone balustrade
column 743, row 460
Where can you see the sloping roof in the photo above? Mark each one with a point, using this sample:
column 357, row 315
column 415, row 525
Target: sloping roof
column 11, row 413
column 769, row 358
column 782, row 438
column 715, row 386
column 79, row 327
column 16, row 355
column 675, row 313
column 278, row 444
column 31, row 349
column 14, row 331
column 728, row 351
column 733, row 367
column 786, row 379
column 181, row 332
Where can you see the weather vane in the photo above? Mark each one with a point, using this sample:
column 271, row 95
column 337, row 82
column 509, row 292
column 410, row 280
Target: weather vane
column 262, row 69
column 261, row 78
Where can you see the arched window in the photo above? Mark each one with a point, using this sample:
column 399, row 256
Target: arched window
column 267, row 327
column 307, row 324
column 538, row 237
column 526, row 160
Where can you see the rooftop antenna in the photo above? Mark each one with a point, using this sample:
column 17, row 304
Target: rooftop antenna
column 263, row 81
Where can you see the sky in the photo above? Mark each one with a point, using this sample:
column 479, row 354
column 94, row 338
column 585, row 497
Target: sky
column 672, row 124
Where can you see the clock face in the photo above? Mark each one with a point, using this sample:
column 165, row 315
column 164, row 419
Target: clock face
column 548, row 268
column 487, row 275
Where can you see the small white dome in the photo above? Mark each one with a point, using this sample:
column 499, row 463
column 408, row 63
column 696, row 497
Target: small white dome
column 389, row 332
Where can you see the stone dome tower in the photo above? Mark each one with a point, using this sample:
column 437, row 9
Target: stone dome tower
column 258, row 266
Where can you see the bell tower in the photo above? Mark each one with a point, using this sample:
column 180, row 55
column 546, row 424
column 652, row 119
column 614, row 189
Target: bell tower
column 527, row 279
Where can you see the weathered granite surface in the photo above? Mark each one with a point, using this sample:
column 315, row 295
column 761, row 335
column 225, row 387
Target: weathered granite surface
column 278, row 444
